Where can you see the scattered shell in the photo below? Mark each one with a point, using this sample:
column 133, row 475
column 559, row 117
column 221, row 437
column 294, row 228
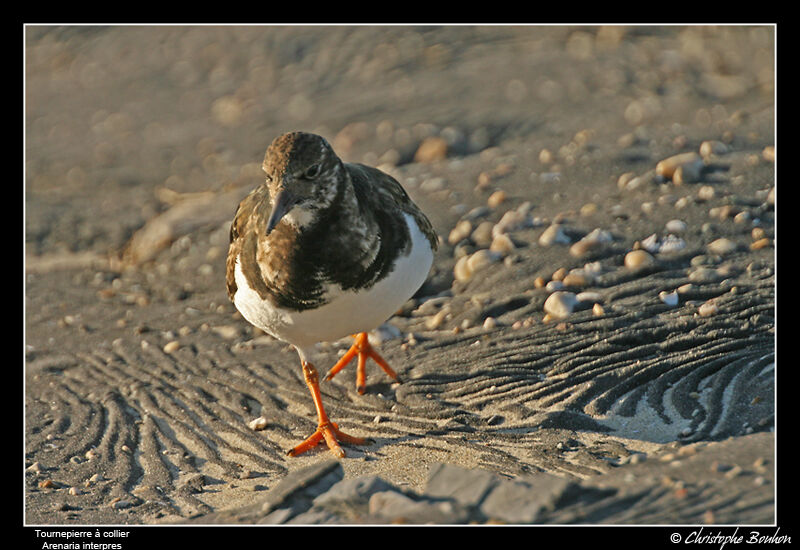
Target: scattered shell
column 671, row 243
column 553, row 286
column 706, row 193
column 687, row 173
column 431, row 149
column 435, row 321
column 598, row 310
column 721, row 246
column 461, row 271
column 560, row 304
column 553, row 234
column 432, row 185
column 119, row 504
column 577, row 277
column 257, row 424
column 46, row 484
column 513, row 220
column 588, row 209
column 638, row 258
column 669, row 298
column 460, row 232
column 539, row 282
column 75, row 491
column 589, row 296
column 496, row 199
column 172, row 346
column 466, row 266
column 482, row 235
column 703, row 274
column 676, row 226
column 637, row 182
column 592, row 241
column 708, row 308
column 769, row 153
column 622, row 181
column 650, row 243
column 502, row 244
column 91, row 453
column 481, row 259
column 712, row 147
column 758, row 233
column 489, row 323
column 759, row 244
column 667, row 167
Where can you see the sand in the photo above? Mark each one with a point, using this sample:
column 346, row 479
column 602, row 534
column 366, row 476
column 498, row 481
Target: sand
column 141, row 140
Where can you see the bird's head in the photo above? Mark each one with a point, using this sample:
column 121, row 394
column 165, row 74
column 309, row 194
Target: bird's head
column 302, row 173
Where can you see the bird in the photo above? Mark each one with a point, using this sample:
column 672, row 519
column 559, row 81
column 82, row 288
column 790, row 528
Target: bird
column 321, row 250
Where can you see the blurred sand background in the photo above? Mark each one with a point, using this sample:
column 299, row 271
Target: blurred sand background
column 140, row 376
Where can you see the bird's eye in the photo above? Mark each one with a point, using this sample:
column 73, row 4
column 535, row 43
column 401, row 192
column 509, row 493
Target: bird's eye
column 312, row 171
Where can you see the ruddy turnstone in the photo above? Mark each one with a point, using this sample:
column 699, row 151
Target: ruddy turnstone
column 322, row 250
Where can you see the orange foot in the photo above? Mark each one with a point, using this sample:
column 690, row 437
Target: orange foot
column 326, row 429
column 363, row 349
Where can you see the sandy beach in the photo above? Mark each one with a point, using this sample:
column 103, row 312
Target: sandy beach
column 601, row 309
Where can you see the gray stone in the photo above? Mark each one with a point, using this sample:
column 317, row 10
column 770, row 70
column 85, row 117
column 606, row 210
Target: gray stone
column 298, row 489
column 352, row 492
column 468, row 487
column 396, row 507
column 524, row 501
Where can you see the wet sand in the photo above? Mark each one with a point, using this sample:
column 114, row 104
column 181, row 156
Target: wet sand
column 141, row 378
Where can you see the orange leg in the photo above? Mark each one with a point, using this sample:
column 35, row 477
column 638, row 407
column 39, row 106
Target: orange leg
column 363, row 349
column 326, row 429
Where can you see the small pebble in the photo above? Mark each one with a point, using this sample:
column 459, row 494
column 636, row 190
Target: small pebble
column 711, row 148
column 481, row 259
column 496, row 199
column 559, row 274
column 675, row 226
column 706, row 193
column 482, row 235
column 553, row 286
column 576, row 278
column 758, row 233
column 460, row 232
column 667, row 167
column 721, row 246
column 589, row 296
column 669, row 298
column 638, row 258
column 431, row 149
column 502, row 244
column 560, row 304
column 489, row 323
column 759, row 244
column 708, row 308
column 552, row 235
column 172, row 346
column 598, row 310
column 257, row 424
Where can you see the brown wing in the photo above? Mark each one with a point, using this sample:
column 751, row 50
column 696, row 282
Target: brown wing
column 386, row 194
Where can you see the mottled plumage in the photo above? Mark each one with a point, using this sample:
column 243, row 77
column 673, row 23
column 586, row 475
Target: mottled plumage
column 324, row 249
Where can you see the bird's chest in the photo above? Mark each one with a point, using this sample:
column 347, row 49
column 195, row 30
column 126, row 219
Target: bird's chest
column 341, row 311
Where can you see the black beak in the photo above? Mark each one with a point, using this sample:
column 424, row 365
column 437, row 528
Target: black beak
column 284, row 201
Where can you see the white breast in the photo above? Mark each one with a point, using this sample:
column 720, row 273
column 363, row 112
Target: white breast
column 347, row 312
